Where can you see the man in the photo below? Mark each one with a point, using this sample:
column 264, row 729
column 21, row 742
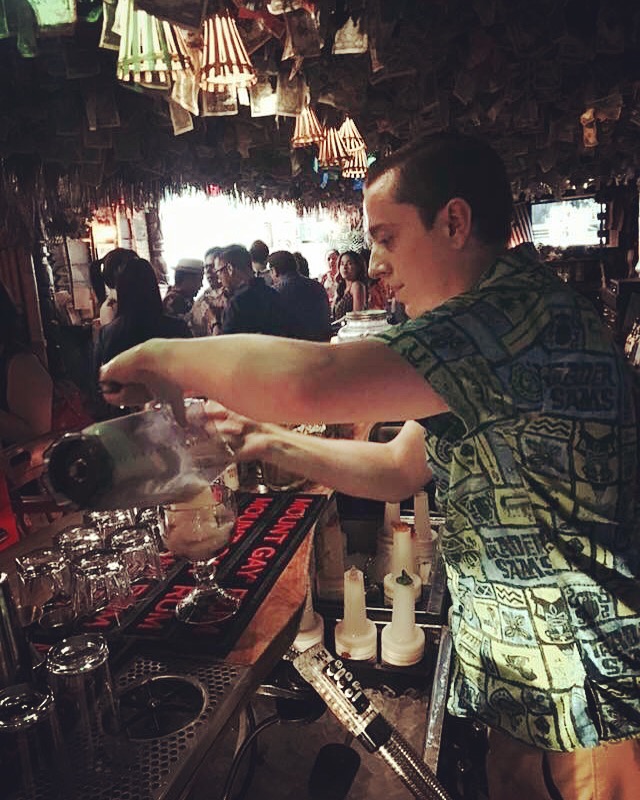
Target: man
column 207, row 311
column 252, row 306
column 187, row 282
column 259, row 255
column 329, row 280
column 305, row 300
column 536, row 461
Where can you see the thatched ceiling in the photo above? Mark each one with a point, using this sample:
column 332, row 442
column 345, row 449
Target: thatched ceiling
column 520, row 72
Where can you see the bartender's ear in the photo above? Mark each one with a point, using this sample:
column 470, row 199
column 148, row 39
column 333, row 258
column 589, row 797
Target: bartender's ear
column 458, row 218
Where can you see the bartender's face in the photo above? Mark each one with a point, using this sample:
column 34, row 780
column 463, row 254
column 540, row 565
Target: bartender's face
column 407, row 256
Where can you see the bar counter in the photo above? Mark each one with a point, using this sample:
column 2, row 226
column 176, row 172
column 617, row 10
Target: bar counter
column 162, row 768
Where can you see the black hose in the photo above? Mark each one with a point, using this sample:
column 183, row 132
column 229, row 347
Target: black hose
column 237, row 759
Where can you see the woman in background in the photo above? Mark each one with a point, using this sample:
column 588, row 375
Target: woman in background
column 104, row 276
column 139, row 316
column 351, row 292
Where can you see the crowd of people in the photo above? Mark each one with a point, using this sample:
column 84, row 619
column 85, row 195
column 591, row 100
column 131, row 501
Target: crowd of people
column 248, row 290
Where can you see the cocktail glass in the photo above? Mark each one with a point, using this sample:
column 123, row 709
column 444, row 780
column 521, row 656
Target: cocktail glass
column 199, row 530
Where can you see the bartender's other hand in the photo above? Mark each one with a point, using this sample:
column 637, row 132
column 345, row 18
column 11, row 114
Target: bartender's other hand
column 248, row 438
column 130, row 379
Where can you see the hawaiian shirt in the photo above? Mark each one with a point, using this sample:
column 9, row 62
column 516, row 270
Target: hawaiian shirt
column 537, row 466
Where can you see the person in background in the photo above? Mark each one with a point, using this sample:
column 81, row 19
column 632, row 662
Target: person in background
column 259, row 255
column 329, row 279
column 306, row 301
column 252, row 306
column 187, row 282
column 378, row 294
column 103, row 274
column 351, row 287
column 208, row 309
column 303, row 264
column 140, row 314
column 26, row 388
column 531, row 426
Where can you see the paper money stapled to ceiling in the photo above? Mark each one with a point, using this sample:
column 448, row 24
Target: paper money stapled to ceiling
column 55, row 17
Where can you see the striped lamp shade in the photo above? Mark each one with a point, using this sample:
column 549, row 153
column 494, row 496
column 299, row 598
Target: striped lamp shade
column 355, row 164
column 308, row 129
column 331, row 152
column 225, row 62
column 150, row 50
column 351, row 136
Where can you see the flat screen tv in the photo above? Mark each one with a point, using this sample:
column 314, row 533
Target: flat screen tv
column 566, row 223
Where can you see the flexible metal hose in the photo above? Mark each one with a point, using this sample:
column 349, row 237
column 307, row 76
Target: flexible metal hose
column 411, row 770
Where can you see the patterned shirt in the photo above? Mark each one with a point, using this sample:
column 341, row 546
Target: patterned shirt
column 537, row 466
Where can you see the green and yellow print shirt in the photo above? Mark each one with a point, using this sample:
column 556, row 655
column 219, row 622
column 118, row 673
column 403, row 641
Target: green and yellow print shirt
column 536, row 464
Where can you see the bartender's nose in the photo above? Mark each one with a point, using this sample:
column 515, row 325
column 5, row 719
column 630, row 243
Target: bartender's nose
column 377, row 267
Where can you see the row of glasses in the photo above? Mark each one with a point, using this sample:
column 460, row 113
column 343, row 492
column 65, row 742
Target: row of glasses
column 88, row 567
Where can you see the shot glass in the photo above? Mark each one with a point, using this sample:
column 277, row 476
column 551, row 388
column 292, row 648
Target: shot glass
column 108, row 521
column 80, row 678
column 99, row 579
column 77, row 540
column 153, row 518
column 44, row 579
column 138, row 548
column 33, row 760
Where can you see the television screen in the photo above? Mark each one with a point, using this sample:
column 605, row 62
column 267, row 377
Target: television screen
column 565, row 223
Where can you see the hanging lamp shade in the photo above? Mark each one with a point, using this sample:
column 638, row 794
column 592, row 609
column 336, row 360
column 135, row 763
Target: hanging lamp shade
column 355, row 164
column 178, row 49
column 331, row 152
column 150, row 50
column 308, row 129
column 350, row 135
column 225, row 62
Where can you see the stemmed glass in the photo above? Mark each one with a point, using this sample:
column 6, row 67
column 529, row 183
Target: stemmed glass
column 199, row 530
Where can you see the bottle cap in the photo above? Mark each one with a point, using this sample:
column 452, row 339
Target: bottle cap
column 402, row 653
column 361, row 647
column 389, row 584
column 313, row 634
column 78, row 470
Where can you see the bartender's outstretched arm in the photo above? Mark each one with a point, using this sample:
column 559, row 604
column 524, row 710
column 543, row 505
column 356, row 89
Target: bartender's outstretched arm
column 389, row 472
column 275, row 379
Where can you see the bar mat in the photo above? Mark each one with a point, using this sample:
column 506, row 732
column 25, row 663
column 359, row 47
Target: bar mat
column 254, row 511
column 249, row 570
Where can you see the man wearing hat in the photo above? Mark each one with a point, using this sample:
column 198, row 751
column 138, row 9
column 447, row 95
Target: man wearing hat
column 187, row 281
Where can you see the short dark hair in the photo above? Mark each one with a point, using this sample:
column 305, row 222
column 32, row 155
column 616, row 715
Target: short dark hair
column 282, row 262
column 432, row 170
column 216, row 252
column 259, row 251
column 239, row 258
column 303, row 264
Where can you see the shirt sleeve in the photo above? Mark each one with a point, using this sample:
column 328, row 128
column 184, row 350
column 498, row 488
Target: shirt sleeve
column 442, row 348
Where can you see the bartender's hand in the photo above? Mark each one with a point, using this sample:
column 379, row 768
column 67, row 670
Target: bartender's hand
column 250, row 440
column 133, row 379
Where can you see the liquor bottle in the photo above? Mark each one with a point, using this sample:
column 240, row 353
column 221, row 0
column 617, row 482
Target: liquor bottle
column 142, row 459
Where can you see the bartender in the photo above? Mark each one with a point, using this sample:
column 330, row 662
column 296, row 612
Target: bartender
column 531, row 433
